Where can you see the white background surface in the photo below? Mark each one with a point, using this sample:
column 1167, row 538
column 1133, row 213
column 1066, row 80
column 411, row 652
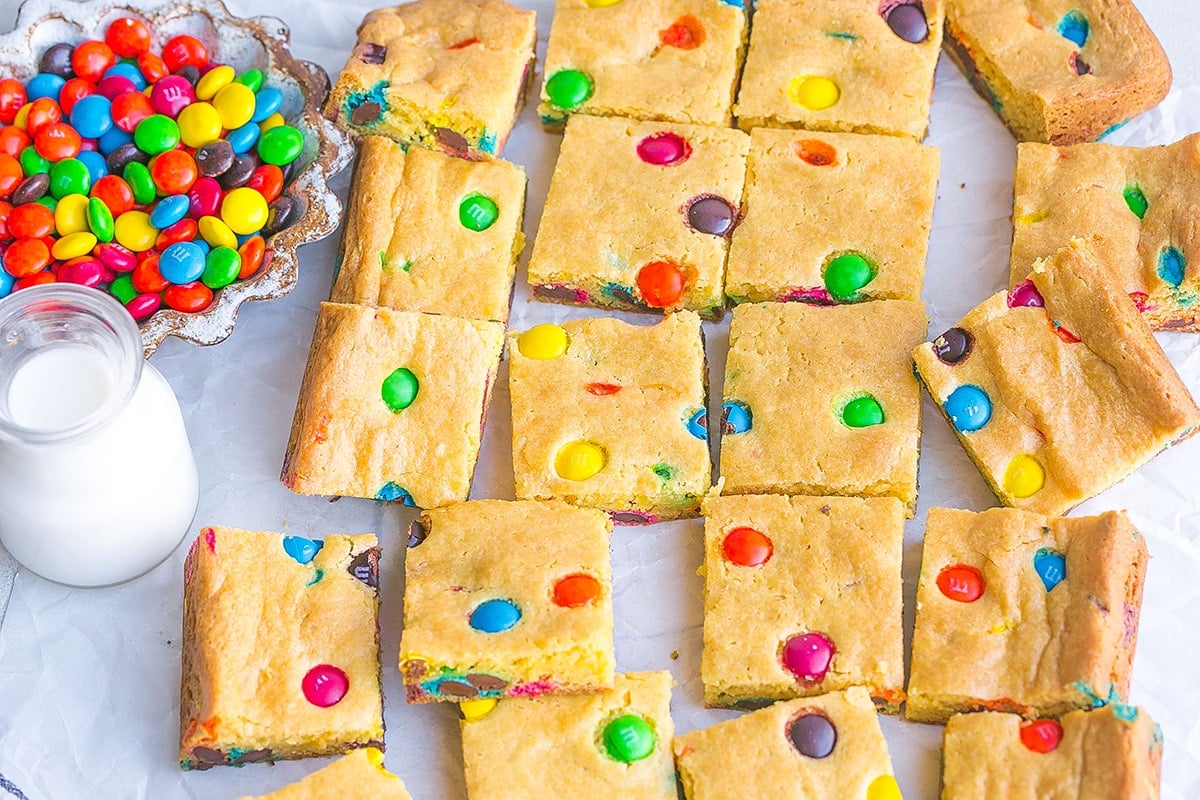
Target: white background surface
column 89, row 679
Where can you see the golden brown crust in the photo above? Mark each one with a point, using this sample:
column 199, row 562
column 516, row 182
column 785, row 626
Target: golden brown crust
column 795, row 366
column 261, row 611
column 609, row 213
column 719, row 762
column 651, row 377
column 885, row 83
column 1044, row 85
column 517, row 551
column 1132, row 203
column 405, row 247
column 1022, row 646
column 1080, row 386
column 1112, row 753
column 834, row 568
column 633, row 73
column 345, row 440
column 413, row 75
column 875, row 199
column 558, row 750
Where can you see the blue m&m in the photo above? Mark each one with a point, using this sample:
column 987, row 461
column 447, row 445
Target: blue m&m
column 495, row 616
column 968, row 408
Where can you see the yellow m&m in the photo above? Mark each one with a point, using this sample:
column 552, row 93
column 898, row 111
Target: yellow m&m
column 578, row 461
column 1024, row 477
column 477, row 709
column 884, row 788
column 543, row 341
column 814, row 92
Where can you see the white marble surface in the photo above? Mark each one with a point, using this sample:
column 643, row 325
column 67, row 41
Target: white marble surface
column 89, row 679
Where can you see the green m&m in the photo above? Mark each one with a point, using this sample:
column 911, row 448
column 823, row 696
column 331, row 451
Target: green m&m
column 69, row 176
column 846, row 274
column 862, row 412
column 628, row 738
column 399, row 389
column 477, row 212
column 569, row 88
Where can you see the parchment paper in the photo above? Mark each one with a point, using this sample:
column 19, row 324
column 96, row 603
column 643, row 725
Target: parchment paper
column 89, row 678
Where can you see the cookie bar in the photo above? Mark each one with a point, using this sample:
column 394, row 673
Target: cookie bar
column 428, row 232
column 612, row 744
column 821, row 400
column 579, row 389
column 444, row 74
column 1140, row 203
column 638, row 216
column 1112, row 753
column 1026, row 613
column 832, row 218
column 507, row 599
column 1057, row 389
column 359, row 774
column 821, row 575
column 1057, row 72
column 841, row 65
column 675, row 60
column 280, row 647
column 391, row 406
column 828, row 747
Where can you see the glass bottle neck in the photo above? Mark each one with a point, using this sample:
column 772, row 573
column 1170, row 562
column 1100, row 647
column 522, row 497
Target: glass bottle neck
column 70, row 361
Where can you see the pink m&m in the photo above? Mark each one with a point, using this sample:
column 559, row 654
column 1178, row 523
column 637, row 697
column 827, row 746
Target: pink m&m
column 171, row 95
column 664, row 149
column 204, row 198
column 1025, row 294
column 808, row 656
column 325, row 685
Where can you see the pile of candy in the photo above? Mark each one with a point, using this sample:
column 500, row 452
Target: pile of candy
column 152, row 177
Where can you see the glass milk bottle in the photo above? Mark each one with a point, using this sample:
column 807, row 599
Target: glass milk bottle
column 97, row 479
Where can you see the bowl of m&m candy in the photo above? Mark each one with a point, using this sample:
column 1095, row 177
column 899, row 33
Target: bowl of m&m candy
column 171, row 155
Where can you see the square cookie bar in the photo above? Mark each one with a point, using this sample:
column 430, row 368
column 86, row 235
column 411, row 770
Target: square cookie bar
column 638, row 216
column 612, row 415
column 841, row 65
column 507, row 598
column 1140, row 204
column 1057, row 389
column 1058, row 72
column 1026, row 613
column 359, row 774
column 444, row 74
column 828, row 747
column 392, row 405
column 821, row 576
column 1112, row 753
column 613, row 744
column 428, row 232
column 832, row 218
column 675, row 60
column 280, row 647
column 821, row 400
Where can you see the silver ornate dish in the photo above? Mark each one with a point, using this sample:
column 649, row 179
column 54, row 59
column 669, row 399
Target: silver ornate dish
column 260, row 43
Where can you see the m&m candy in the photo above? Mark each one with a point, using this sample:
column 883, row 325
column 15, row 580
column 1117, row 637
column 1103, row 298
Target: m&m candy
column 154, row 176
